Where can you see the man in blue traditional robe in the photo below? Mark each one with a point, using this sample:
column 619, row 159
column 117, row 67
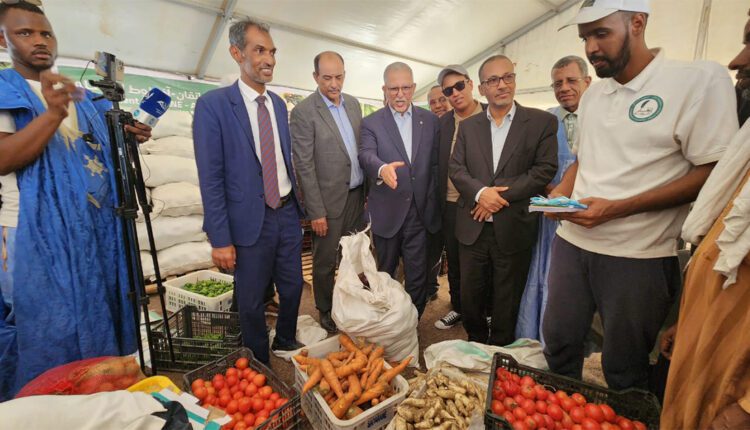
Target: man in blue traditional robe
column 63, row 274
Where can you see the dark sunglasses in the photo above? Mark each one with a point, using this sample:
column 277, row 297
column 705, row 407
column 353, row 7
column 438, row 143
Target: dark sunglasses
column 458, row 86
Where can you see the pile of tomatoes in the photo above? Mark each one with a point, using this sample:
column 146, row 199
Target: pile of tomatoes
column 242, row 393
column 527, row 405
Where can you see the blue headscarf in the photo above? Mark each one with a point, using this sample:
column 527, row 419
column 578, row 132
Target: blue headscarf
column 71, row 294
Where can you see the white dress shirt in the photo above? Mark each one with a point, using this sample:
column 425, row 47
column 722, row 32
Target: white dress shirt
column 499, row 135
column 249, row 95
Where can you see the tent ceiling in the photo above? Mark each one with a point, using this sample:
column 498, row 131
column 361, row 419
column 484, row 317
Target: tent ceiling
column 190, row 36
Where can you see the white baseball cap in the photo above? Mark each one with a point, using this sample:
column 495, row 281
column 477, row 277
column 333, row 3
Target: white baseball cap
column 594, row 10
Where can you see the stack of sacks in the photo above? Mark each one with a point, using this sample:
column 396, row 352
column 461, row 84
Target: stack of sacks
column 170, row 173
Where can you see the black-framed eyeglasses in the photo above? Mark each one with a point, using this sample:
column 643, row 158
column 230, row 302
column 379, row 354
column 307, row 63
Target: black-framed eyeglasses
column 458, row 86
column 395, row 90
column 494, row 81
column 571, row 81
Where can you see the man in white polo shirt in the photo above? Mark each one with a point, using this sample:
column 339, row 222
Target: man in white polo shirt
column 650, row 133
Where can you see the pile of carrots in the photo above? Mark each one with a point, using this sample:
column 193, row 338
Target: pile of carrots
column 351, row 380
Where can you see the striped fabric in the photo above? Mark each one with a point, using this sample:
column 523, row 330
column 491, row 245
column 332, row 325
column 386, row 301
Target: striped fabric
column 268, row 155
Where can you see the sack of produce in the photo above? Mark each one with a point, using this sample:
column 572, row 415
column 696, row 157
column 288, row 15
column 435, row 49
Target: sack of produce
column 92, row 375
column 371, row 304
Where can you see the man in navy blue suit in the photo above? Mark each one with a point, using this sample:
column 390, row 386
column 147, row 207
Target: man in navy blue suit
column 399, row 148
column 252, row 212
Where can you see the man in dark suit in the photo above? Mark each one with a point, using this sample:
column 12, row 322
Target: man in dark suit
column 501, row 159
column 399, row 154
column 325, row 136
column 252, row 212
column 456, row 85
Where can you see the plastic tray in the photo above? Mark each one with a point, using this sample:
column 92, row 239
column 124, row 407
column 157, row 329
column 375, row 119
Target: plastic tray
column 633, row 404
column 176, row 297
column 287, row 417
column 319, row 413
column 191, row 331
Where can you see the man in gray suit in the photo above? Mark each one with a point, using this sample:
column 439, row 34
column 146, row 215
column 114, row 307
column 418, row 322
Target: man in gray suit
column 501, row 159
column 325, row 144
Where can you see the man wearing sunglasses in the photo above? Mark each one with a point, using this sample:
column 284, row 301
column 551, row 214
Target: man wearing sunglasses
column 63, row 265
column 399, row 154
column 438, row 102
column 456, row 85
column 501, row 159
column 570, row 79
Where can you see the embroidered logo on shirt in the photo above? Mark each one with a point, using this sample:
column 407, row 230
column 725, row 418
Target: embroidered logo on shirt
column 646, row 108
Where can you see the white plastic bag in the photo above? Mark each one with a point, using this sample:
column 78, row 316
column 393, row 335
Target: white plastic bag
column 179, row 146
column 176, row 200
column 478, row 357
column 174, row 123
column 170, row 231
column 165, row 169
column 384, row 314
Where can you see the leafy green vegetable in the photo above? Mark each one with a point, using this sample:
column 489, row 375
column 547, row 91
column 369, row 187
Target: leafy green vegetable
column 208, row 288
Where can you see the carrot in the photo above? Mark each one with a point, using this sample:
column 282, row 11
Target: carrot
column 367, row 349
column 349, row 358
column 336, row 363
column 353, row 412
column 374, row 401
column 324, row 387
column 330, row 397
column 376, row 391
column 363, row 379
column 301, row 359
column 342, row 405
column 330, row 374
column 354, row 385
column 338, row 355
column 348, row 343
column 303, row 367
column 315, row 377
column 358, row 363
column 376, row 353
column 374, row 373
column 391, row 373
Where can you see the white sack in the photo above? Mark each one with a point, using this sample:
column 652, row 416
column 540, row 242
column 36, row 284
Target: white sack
column 165, row 169
column 179, row 259
column 174, row 123
column 179, row 146
column 176, row 199
column 384, row 314
column 170, row 231
column 478, row 357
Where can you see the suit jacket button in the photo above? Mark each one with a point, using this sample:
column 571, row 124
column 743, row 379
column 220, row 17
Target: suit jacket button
column 348, row 164
column 347, row 182
column 413, row 178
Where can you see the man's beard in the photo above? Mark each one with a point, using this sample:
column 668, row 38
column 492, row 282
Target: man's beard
column 616, row 66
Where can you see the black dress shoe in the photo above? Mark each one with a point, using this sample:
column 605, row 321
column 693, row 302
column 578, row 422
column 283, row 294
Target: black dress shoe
column 327, row 322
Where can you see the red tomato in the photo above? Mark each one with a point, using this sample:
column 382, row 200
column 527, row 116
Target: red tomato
column 229, row 426
column 549, row 422
column 240, row 426
column 541, row 392
column 245, row 373
column 497, row 407
column 530, row 423
column 577, row 414
column 608, row 426
column 515, row 378
column 280, row 402
column 259, row 420
column 520, row 413
column 519, row 399
column 210, row 400
column 210, row 390
column 625, row 424
column 639, row 425
column 528, row 380
column 224, row 400
column 259, row 380
column 200, row 392
column 197, row 383
column 243, row 384
column 497, row 391
column 509, row 417
column 274, row 396
column 225, row 391
column 241, row 363
column 520, row 425
column 251, row 390
column 269, row 405
column 594, row 412
column 539, row 420
column 560, row 394
column 528, row 405
column 238, row 395
column 541, row 407
column 591, row 424
column 265, row 392
column 244, row 405
column 576, row 427
column 555, row 412
column 568, row 404
column 251, row 374
column 231, row 407
column 528, row 392
column 578, row 397
column 264, row 413
column 218, row 382
column 258, row 405
column 553, row 400
column 232, row 380
column 609, row 413
column 567, row 422
column 232, row 371
column 510, row 404
column 249, row 419
column 510, row 388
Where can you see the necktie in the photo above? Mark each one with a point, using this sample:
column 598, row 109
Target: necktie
column 571, row 123
column 268, row 155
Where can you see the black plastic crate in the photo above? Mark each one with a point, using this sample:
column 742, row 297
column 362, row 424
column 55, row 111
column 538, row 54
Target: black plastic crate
column 199, row 337
column 633, row 403
column 287, row 417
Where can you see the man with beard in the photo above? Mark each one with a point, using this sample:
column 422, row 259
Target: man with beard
column 63, row 271
column 252, row 211
column 650, row 133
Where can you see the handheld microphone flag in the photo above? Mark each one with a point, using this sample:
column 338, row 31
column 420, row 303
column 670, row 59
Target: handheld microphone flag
column 152, row 106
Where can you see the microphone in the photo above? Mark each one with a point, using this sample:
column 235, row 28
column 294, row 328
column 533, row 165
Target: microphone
column 152, row 106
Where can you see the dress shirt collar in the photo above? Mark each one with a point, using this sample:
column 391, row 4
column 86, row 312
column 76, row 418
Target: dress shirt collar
column 331, row 104
column 508, row 117
column 395, row 113
column 250, row 93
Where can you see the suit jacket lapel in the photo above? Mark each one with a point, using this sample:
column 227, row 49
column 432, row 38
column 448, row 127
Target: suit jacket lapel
column 243, row 118
column 392, row 129
column 325, row 113
column 353, row 114
column 513, row 140
column 417, row 124
column 485, row 142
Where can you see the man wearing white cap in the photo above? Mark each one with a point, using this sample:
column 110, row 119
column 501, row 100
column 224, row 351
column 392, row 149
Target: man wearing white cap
column 650, row 133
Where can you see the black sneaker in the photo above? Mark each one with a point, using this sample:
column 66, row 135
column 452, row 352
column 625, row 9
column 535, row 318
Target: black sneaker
column 327, row 322
column 285, row 350
column 449, row 320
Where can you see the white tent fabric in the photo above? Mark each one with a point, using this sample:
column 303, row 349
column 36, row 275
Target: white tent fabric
column 190, row 37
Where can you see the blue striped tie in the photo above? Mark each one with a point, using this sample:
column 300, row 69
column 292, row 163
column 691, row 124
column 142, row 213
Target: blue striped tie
column 268, row 155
